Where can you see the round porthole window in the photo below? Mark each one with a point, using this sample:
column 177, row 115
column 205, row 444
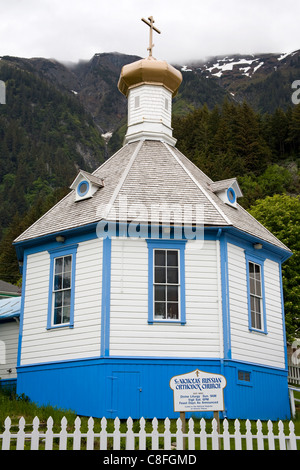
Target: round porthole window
column 83, row 188
column 231, row 195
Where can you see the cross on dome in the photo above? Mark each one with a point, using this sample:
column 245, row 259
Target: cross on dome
column 150, row 23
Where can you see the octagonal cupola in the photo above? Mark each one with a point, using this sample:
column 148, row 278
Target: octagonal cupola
column 149, row 85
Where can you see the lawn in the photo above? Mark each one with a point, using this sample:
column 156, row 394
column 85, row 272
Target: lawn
column 20, row 406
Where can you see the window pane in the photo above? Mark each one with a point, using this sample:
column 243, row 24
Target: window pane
column 66, row 315
column 160, row 293
column 258, row 288
column 67, row 297
column 57, row 299
column 67, row 281
column 258, row 321
column 57, row 316
column 172, row 311
column 58, row 265
column 58, row 282
column 67, row 263
column 172, row 292
column 172, row 275
column 160, row 276
column 252, row 286
column 251, row 268
column 160, row 310
column 160, row 258
column 172, row 258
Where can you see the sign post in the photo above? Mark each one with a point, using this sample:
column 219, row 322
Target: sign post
column 198, row 391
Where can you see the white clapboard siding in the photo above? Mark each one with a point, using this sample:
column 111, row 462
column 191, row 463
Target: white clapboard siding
column 254, row 346
column 42, row 345
column 9, row 335
column 130, row 333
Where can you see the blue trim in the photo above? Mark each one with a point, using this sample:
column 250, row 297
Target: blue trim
column 55, row 253
column 283, row 316
column 87, row 188
column 105, row 302
column 166, row 244
column 231, row 195
column 225, row 296
column 24, row 273
column 249, row 257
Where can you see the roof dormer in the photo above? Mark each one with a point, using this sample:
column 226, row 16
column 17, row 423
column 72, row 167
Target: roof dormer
column 227, row 190
column 85, row 185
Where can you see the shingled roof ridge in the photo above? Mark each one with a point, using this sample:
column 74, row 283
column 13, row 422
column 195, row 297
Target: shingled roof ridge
column 198, row 184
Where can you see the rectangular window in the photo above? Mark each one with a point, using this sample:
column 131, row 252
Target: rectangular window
column 166, row 297
column 244, row 377
column 166, row 284
column 256, row 293
column 62, row 286
column 62, row 290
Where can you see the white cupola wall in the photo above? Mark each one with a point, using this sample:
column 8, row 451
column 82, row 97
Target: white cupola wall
column 149, row 114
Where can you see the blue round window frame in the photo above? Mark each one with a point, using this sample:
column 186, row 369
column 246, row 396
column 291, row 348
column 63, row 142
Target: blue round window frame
column 80, row 193
column 231, row 195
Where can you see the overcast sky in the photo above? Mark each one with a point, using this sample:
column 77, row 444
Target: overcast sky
column 72, row 30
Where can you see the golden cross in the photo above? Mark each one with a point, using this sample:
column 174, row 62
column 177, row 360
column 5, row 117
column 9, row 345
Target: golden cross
column 150, row 23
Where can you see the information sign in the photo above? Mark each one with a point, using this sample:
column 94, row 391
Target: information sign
column 198, row 391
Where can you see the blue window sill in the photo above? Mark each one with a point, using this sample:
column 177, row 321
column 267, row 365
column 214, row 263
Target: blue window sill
column 261, row 332
column 56, row 327
column 176, row 322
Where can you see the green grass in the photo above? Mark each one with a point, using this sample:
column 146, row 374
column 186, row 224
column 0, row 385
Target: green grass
column 20, row 406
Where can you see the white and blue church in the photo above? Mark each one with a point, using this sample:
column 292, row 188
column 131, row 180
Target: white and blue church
column 148, row 269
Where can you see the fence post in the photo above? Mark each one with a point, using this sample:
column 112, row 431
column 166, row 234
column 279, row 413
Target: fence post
column 281, row 435
column 259, row 435
column 271, row 439
column 191, row 435
column 203, row 436
column 226, row 435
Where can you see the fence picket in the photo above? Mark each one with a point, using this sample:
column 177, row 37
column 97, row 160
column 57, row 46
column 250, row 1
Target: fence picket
column 35, row 434
column 203, row 434
column 271, row 437
column 63, row 436
column 117, row 435
column 226, row 435
column 103, row 434
column 129, row 435
column 49, row 434
column 21, row 435
column 90, row 435
column 167, row 435
column 237, row 435
column 39, row 439
column 77, row 434
column 249, row 436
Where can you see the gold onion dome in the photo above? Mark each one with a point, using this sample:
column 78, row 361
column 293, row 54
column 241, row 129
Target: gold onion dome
column 149, row 71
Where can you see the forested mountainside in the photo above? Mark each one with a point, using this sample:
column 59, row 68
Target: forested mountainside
column 233, row 117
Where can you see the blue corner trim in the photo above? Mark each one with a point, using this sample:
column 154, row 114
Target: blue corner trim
column 55, row 253
column 166, row 244
column 105, row 306
column 225, row 296
column 283, row 316
column 24, row 272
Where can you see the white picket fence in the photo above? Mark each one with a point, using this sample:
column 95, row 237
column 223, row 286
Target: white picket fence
column 30, row 436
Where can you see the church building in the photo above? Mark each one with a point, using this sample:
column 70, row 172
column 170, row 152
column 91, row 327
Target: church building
column 148, row 269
